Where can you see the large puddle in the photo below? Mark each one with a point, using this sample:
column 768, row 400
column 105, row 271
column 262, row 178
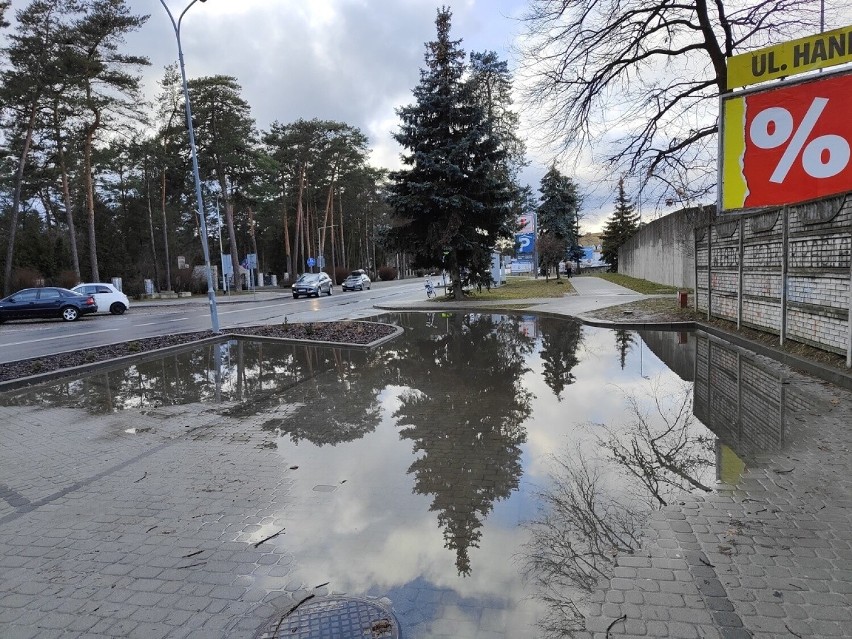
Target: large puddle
column 480, row 472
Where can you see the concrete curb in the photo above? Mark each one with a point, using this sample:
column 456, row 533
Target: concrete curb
column 122, row 361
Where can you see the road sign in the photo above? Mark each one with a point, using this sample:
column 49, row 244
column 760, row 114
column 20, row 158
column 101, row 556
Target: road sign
column 251, row 260
column 787, row 145
column 526, row 224
column 311, row 262
column 525, row 242
column 321, row 261
column 792, row 57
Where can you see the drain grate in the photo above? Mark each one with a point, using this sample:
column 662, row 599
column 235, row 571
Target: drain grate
column 335, row 618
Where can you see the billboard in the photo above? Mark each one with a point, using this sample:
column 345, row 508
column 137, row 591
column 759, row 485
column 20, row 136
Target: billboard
column 788, row 144
column 789, row 58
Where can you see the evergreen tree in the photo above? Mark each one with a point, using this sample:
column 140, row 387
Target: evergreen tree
column 559, row 213
column 452, row 201
column 619, row 228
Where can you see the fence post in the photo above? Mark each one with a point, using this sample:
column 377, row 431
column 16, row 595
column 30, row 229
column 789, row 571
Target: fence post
column 740, row 277
column 709, row 271
column 785, row 212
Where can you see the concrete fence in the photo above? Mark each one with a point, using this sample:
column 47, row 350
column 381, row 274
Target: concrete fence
column 786, row 271
column 663, row 251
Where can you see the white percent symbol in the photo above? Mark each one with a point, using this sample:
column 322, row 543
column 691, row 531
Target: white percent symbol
column 822, row 157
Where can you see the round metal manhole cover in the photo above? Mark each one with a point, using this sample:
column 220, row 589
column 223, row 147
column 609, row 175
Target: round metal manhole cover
column 334, row 618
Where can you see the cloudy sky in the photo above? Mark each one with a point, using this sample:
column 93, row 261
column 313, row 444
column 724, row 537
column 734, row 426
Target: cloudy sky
column 349, row 60
column 353, row 61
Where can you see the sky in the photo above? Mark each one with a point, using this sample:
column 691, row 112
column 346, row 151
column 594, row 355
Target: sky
column 354, row 61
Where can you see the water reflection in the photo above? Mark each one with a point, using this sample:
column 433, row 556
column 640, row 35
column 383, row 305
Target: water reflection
column 418, row 462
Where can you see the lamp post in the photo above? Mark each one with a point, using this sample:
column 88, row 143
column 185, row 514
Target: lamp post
column 211, row 291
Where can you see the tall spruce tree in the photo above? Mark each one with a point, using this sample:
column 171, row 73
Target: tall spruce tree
column 452, row 201
column 619, row 228
column 559, row 213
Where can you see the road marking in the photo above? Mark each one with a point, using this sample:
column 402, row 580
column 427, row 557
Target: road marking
column 45, row 339
column 179, row 319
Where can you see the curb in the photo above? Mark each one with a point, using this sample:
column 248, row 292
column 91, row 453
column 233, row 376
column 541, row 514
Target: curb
column 121, row 361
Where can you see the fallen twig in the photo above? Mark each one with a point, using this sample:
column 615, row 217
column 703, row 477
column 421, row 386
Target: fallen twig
column 200, row 563
column 615, row 621
column 192, row 554
column 273, row 536
column 792, row 632
column 144, row 475
column 288, row 613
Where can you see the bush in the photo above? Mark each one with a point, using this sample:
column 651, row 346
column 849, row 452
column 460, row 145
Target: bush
column 67, row 279
column 387, row 273
column 340, row 274
column 26, row 277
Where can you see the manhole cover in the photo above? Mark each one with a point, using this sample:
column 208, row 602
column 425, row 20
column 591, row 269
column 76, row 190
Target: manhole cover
column 334, row 618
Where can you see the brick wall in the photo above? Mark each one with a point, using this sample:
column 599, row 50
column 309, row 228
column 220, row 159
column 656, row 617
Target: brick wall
column 785, row 271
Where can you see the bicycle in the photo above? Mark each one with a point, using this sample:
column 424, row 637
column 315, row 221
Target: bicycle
column 430, row 290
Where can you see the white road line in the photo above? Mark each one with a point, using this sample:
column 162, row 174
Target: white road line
column 179, row 319
column 45, row 339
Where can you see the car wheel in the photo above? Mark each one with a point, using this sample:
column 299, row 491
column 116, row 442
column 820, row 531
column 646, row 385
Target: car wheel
column 117, row 308
column 295, row 297
column 330, row 289
column 361, row 288
column 69, row 313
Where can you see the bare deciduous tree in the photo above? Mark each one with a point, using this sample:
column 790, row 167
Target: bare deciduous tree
column 639, row 80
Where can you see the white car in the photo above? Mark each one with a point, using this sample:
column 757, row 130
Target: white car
column 106, row 296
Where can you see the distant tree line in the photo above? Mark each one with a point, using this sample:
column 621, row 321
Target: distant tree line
column 97, row 183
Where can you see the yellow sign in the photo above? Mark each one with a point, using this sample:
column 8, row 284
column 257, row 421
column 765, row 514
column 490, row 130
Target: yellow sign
column 789, row 58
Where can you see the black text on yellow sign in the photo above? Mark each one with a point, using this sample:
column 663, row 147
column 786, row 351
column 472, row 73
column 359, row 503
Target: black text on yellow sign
column 789, row 58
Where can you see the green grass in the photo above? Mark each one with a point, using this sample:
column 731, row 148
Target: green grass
column 640, row 286
column 518, row 288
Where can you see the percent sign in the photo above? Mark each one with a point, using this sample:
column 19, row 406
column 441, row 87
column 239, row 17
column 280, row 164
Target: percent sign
column 822, row 157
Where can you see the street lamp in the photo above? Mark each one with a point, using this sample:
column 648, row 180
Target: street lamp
column 211, row 291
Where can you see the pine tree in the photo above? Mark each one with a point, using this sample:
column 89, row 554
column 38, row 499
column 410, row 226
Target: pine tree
column 559, row 212
column 452, row 202
column 619, row 228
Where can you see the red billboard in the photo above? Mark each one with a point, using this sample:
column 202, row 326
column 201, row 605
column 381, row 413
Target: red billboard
column 787, row 145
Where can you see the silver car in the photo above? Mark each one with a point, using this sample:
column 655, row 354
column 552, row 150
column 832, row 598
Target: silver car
column 356, row 281
column 310, row 284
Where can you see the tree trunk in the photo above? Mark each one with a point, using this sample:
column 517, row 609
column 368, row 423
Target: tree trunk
column 344, row 262
column 66, row 193
column 147, row 178
column 288, row 258
column 167, row 257
column 16, row 200
column 253, row 245
column 90, row 194
column 300, row 250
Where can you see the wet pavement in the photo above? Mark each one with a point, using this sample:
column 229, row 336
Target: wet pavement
column 136, row 504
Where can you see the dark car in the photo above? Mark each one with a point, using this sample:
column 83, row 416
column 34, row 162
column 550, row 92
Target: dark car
column 312, row 284
column 33, row 303
column 356, row 281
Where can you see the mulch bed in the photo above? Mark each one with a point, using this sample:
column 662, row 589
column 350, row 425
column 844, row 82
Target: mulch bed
column 341, row 332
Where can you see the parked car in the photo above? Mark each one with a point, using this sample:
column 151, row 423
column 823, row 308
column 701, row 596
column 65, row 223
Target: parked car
column 49, row 301
column 106, row 295
column 312, row 284
column 356, row 281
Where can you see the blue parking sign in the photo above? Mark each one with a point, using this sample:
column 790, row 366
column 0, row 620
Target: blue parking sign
column 311, row 262
column 525, row 242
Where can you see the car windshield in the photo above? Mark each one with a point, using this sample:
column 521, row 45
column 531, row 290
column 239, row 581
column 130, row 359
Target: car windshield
column 355, row 274
column 308, row 278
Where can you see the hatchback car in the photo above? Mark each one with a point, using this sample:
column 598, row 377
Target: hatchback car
column 356, row 281
column 49, row 301
column 312, row 284
column 106, row 295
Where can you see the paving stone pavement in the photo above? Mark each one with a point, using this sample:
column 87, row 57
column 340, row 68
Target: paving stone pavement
column 92, row 545
column 105, row 535
column 770, row 556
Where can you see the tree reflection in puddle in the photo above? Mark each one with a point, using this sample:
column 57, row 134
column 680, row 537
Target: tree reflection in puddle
column 595, row 506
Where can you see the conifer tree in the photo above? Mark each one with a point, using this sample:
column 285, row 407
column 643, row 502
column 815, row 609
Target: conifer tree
column 452, row 201
column 619, row 228
column 559, row 213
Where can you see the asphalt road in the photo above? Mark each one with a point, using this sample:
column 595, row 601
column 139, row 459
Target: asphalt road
column 37, row 338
